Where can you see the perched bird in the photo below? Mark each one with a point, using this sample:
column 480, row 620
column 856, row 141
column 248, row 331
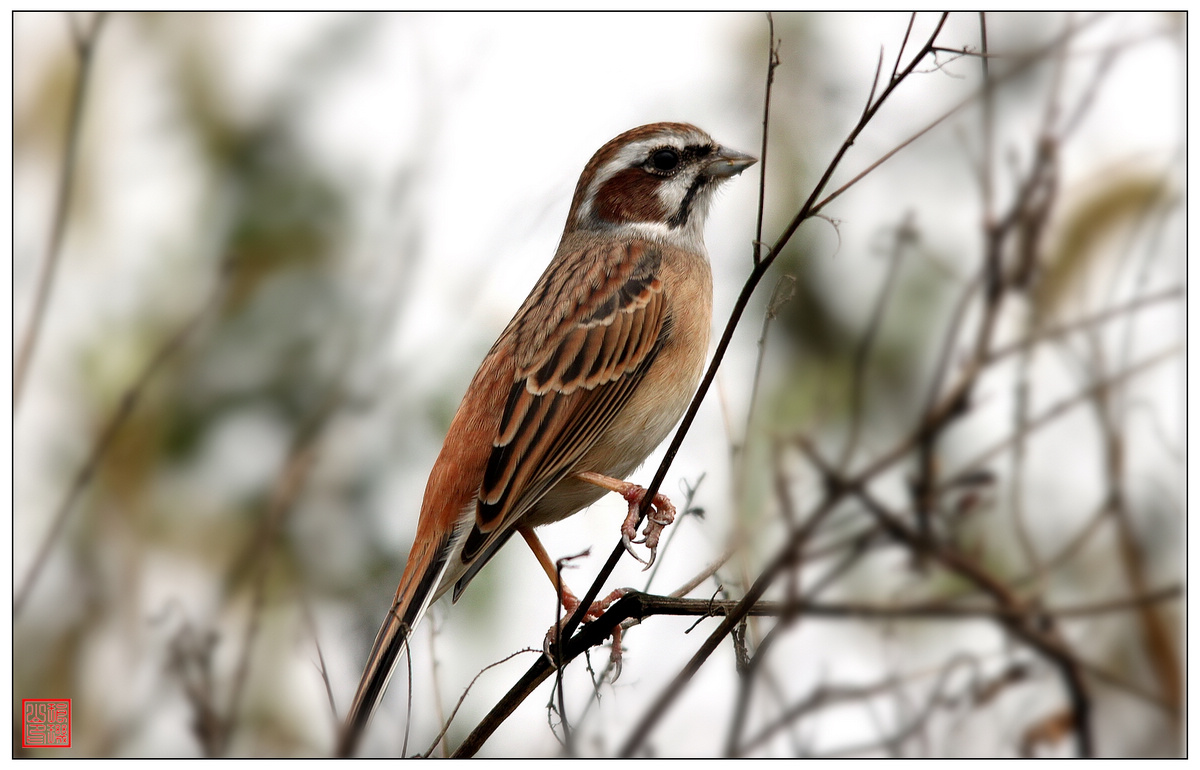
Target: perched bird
column 591, row 374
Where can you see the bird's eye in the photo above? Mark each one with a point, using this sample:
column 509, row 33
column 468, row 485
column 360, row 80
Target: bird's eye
column 664, row 159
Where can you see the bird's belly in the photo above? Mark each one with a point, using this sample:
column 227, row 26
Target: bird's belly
column 643, row 424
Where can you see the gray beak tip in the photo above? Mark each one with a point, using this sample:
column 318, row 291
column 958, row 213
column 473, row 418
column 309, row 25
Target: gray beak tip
column 727, row 163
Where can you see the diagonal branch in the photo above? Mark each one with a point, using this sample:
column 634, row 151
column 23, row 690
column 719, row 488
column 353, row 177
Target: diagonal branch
column 85, row 46
column 129, row 401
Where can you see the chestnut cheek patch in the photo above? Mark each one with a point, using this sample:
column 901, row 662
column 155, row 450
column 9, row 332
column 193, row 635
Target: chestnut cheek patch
column 630, row 196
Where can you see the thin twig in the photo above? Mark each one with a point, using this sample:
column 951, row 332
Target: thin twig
column 894, row 741
column 1061, row 407
column 85, row 41
column 290, row 481
column 128, row 402
column 826, row 696
column 643, row 606
column 1082, row 324
column 708, row 571
column 772, row 63
column 912, row 19
column 687, row 508
column 904, row 236
column 462, row 698
column 311, row 622
column 435, row 682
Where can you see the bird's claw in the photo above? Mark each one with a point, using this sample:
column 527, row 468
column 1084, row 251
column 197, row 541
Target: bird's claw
column 629, row 543
column 660, row 515
column 597, row 608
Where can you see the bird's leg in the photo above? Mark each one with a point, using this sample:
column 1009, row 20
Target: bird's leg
column 570, row 601
column 660, row 514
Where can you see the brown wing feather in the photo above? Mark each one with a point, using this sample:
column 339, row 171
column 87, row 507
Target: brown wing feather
column 581, row 348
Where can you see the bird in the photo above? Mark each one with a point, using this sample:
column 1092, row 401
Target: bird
column 593, row 371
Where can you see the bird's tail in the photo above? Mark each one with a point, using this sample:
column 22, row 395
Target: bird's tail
column 418, row 588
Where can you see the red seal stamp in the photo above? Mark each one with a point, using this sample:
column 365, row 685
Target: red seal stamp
column 46, row 724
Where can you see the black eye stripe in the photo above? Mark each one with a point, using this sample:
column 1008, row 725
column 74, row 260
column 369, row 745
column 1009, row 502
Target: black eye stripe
column 657, row 159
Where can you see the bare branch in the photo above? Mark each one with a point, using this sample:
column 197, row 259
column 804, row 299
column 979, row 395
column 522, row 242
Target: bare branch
column 773, row 44
column 85, row 41
column 170, row 347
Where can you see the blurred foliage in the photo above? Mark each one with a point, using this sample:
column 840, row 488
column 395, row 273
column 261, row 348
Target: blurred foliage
column 274, row 353
column 280, row 223
column 1089, row 226
column 40, row 126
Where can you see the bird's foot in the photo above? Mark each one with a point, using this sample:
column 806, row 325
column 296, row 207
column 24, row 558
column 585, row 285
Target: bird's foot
column 570, row 603
column 660, row 514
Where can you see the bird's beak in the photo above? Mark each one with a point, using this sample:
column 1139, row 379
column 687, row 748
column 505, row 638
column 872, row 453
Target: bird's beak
column 727, row 163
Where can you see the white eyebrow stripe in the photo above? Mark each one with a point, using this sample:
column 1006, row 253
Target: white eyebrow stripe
column 633, row 155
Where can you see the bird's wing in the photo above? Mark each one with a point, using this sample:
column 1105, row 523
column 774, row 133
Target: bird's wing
column 580, row 344
column 584, row 339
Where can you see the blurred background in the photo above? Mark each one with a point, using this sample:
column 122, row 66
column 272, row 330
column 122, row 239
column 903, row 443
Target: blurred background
column 291, row 238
